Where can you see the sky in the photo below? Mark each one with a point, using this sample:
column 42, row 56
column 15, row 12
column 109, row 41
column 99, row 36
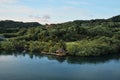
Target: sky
column 57, row 11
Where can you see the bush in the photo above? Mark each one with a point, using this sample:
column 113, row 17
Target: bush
column 53, row 49
column 7, row 45
column 35, row 47
column 93, row 47
column 72, row 49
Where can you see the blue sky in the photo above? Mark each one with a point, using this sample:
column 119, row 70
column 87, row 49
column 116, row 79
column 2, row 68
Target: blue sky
column 57, row 11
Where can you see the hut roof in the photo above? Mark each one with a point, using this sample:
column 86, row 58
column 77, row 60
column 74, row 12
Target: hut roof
column 61, row 50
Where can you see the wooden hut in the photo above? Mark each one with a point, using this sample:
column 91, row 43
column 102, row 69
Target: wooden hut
column 61, row 52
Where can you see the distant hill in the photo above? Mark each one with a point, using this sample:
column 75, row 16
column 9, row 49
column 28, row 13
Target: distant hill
column 115, row 18
column 10, row 23
column 15, row 24
column 92, row 22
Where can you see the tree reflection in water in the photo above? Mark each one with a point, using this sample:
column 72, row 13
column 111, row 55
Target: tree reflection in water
column 68, row 59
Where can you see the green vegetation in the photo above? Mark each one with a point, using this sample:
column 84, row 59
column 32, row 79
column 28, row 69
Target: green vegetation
column 77, row 38
column 96, row 47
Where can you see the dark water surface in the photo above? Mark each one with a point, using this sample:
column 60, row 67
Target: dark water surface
column 34, row 67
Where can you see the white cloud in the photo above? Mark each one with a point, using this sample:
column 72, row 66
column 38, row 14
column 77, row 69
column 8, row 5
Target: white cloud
column 22, row 13
column 13, row 10
column 44, row 18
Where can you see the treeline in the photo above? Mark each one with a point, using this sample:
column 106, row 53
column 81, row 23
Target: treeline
column 31, row 46
column 78, row 38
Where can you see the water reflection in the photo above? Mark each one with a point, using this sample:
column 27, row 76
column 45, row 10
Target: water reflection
column 69, row 59
column 92, row 60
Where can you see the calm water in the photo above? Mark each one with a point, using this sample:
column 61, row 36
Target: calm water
column 34, row 67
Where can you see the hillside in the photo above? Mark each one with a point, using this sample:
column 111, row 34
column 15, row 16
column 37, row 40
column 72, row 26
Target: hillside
column 9, row 26
column 13, row 24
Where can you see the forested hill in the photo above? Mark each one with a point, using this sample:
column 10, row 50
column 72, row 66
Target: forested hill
column 115, row 19
column 13, row 24
column 9, row 26
column 68, row 31
column 89, row 22
column 82, row 29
